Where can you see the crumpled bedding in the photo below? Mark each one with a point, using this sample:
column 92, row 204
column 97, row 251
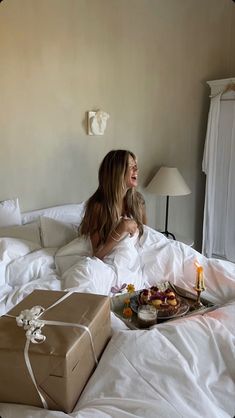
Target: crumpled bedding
column 143, row 262
column 182, row 368
column 25, row 266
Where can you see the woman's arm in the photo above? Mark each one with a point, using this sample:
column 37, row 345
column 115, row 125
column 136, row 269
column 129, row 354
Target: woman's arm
column 125, row 227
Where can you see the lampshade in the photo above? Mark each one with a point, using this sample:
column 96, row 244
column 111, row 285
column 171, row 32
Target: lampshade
column 168, row 182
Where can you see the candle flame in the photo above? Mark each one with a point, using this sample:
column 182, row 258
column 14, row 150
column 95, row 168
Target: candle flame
column 199, row 267
column 200, row 285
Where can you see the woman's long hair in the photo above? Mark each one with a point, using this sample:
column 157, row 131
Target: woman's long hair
column 105, row 206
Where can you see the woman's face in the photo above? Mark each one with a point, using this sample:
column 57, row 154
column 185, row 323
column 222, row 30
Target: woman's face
column 131, row 176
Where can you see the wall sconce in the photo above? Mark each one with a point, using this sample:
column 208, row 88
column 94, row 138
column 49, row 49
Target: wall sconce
column 96, row 122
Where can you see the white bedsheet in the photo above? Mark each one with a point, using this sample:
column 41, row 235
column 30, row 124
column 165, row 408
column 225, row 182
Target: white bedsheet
column 183, row 368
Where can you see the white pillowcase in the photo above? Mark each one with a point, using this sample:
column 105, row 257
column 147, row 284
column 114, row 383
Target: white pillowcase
column 69, row 254
column 71, row 213
column 28, row 232
column 56, row 233
column 10, row 213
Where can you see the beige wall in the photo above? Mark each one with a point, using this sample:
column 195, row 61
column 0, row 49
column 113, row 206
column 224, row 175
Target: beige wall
column 145, row 62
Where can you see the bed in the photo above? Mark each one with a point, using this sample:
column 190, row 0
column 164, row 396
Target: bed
column 180, row 368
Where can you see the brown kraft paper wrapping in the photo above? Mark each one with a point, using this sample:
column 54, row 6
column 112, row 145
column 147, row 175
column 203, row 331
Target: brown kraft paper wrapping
column 63, row 363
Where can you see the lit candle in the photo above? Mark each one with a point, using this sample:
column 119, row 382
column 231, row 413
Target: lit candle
column 200, row 285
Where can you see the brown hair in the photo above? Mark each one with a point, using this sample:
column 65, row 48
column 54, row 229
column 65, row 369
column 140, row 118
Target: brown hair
column 104, row 207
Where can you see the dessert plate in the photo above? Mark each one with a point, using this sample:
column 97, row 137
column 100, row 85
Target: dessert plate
column 182, row 309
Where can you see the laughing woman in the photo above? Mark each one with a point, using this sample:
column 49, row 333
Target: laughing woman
column 116, row 209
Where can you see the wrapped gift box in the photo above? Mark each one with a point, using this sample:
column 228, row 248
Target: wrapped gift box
column 63, row 363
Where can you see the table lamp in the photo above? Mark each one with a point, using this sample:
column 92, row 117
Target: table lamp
column 168, row 182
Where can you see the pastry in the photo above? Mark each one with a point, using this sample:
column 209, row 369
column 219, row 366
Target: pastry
column 165, row 301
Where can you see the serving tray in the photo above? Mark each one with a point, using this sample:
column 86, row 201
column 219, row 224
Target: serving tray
column 117, row 305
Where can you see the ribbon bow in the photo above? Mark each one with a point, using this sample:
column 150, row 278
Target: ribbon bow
column 29, row 320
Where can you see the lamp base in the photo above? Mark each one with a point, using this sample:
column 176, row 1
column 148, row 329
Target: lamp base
column 168, row 234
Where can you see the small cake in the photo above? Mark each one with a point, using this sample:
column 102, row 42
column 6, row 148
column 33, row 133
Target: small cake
column 165, row 301
column 145, row 296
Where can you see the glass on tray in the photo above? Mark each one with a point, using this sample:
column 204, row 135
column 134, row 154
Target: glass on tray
column 147, row 316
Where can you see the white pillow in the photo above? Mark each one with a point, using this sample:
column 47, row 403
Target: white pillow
column 71, row 213
column 56, row 233
column 28, row 232
column 68, row 255
column 10, row 213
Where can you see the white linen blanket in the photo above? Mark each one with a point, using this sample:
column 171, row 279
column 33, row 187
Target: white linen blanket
column 143, row 262
column 184, row 368
column 24, row 266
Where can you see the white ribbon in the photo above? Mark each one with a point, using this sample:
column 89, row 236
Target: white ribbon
column 29, row 320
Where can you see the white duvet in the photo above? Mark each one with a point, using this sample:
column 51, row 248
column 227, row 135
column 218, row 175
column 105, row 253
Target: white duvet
column 143, row 262
column 24, row 266
column 183, row 368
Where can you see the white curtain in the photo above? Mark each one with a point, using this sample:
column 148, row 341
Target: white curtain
column 219, row 167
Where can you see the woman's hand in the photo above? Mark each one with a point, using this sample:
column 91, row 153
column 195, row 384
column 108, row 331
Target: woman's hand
column 126, row 226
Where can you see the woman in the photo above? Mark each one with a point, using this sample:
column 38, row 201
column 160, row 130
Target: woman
column 116, row 209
